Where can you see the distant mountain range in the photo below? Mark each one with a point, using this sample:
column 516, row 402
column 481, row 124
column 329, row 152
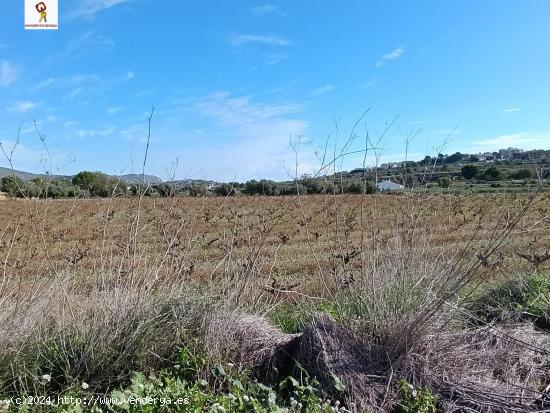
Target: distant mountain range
column 27, row 176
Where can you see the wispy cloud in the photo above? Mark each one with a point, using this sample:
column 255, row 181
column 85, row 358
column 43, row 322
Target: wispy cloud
column 512, row 110
column 45, row 83
column 73, row 129
column 89, row 8
column 8, row 73
column 105, row 131
column 274, row 58
column 393, row 55
column 88, row 43
column 324, row 89
column 92, row 84
column 247, row 138
column 244, row 39
column 114, row 110
column 368, row 84
column 524, row 140
column 264, row 9
column 267, row 48
column 21, row 107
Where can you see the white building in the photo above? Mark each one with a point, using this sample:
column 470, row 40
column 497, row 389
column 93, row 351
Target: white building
column 509, row 153
column 485, row 157
column 389, row 186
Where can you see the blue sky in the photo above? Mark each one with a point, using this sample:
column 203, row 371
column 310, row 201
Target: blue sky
column 232, row 81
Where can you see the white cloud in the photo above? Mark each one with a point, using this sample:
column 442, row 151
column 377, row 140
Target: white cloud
column 89, row 8
column 244, row 39
column 91, row 84
column 323, row 89
column 264, row 9
column 8, row 73
column 21, row 107
column 248, row 139
column 105, row 131
column 90, row 42
column 512, row 110
column 274, row 58
column 72, row 130
column 368, row 84
column 523, row 140
column 45, row 83
column 393, row 55
column 114, row 110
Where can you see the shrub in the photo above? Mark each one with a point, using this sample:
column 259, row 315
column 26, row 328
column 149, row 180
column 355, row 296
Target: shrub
column 445, row 182
column 527, row 296
column 99, row 184
column 415, row 400
column 469, row 171
column 225, row 190
column 493, row 174
column 522, row 174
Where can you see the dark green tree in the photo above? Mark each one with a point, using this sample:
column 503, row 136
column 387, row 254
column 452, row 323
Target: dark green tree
column 13, row 186
column 84, row 179
column 470, row 171
column 445, row 182
column 522, row 174
column 493, row 174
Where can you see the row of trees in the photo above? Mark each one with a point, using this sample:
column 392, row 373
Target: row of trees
column 96, row 184
column 265, row 187
column 493, row 173
column 85, row 184
column 38, row 187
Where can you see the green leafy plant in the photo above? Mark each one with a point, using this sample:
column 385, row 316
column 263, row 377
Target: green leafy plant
column 415, row 400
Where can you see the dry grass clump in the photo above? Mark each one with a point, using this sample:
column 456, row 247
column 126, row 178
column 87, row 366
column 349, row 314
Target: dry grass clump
column 251, row 343
column 488, row 369
column 336, row 355
column 96, row 329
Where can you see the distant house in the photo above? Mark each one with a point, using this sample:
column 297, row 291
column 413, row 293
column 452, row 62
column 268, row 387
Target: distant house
column 485, row 157
column 509, row 153
column 389, row 186
column 391, row 165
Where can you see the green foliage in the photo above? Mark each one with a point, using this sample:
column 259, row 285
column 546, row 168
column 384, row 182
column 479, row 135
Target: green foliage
column 529, row 295
column 493, row 174
column 225, row 190
column 84, row 179
column 522, row 174
column 445, row 182
column 191, row 385
column 13, row 186
column 415, row 400
column 356, row 187
column 265, row 187
column 99, row 185
column 470, row 171
column 456, row 157
column 38, row 187
column 288, row 318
